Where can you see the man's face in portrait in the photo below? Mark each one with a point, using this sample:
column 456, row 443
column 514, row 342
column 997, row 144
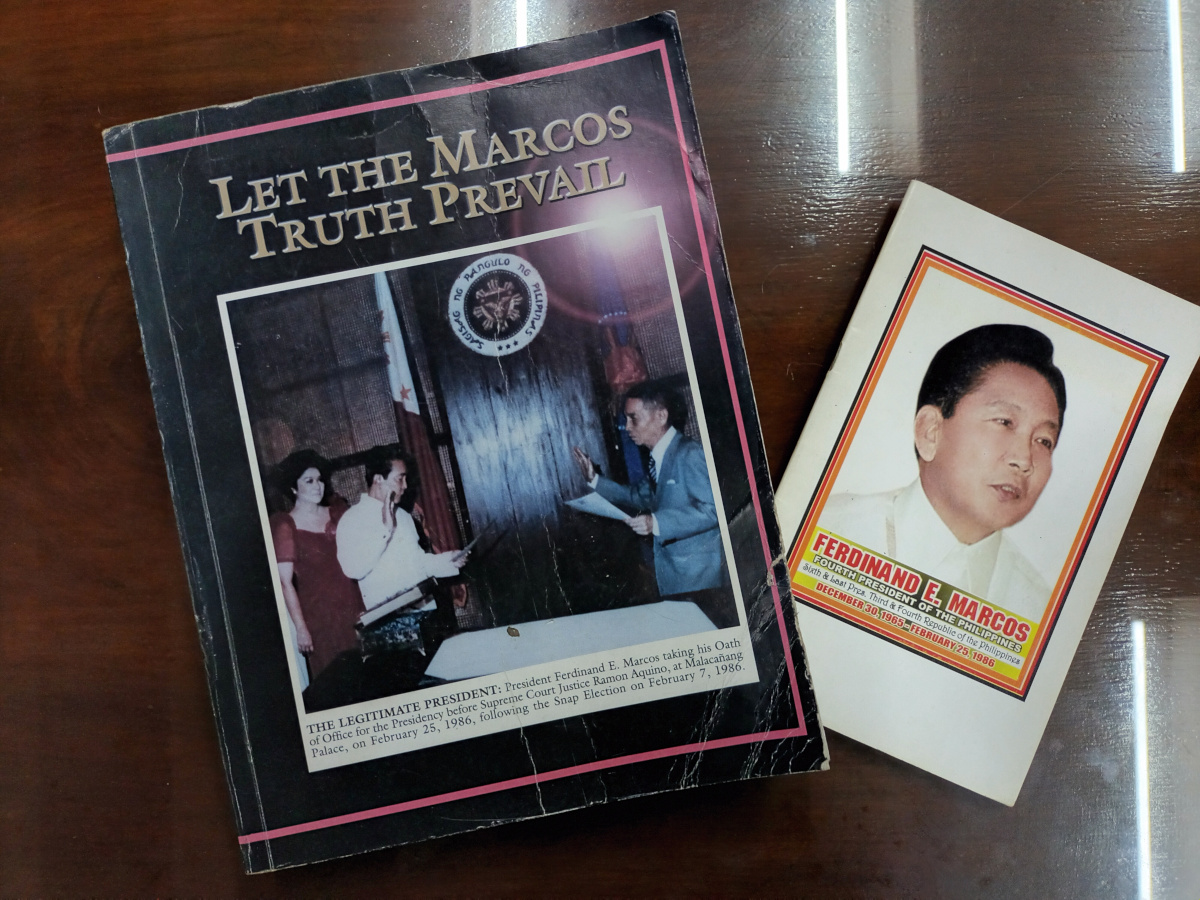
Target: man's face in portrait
column 984, row 468
column 644, row 424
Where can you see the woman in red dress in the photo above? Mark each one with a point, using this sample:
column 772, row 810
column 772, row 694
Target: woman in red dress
column 323, row 603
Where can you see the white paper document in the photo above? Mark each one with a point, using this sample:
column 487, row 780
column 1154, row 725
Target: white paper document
column 596, row 505
column 963, row 482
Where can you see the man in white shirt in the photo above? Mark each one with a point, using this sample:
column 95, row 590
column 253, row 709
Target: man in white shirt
column 377, row 542
column 989, row 414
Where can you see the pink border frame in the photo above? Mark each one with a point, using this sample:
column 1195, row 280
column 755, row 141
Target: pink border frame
column 539, row 777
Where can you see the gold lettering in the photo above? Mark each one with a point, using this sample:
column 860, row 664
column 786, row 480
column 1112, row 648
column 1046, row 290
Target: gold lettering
column 227, row 210
column 293, row 233
column 402, row 168
column 387, row 217
column 399, row 171
column 475, row 205
column 506, row 193
column 332, row 172
column 260, row 240
column 319, row 222
column 497, row 146
column 440, row 202
column 361, row 214
column 618, row 116
column 527, row 180
column 562, row 181
column 466, row 144
column 548, row 136
column 360, row 176
column 264, row 190
column 601, row 165
column 527, row 146
column 601, row 129
column 290, row 178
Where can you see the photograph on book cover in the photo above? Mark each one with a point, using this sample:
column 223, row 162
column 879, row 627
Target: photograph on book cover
column 462, row 381
column 971, row 470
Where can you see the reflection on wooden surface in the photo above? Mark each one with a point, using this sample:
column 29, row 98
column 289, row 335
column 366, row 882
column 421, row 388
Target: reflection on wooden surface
column 1057, row 118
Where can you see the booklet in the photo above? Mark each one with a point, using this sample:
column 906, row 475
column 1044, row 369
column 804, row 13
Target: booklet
column 959, row 491
column 393, row 324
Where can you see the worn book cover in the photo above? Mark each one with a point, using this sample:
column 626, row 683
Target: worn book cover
column 959, row 492
column 462, row 445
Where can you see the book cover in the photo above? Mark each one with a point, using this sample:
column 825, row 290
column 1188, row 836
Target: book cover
column 964, row 479
column 412, row 339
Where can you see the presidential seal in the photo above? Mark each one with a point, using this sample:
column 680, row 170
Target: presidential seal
column 498, row 304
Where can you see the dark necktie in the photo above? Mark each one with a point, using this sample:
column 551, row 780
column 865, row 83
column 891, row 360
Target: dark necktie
column 653, row 474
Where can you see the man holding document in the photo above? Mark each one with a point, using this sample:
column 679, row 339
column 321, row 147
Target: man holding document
column 674, row 504
column 377, row 542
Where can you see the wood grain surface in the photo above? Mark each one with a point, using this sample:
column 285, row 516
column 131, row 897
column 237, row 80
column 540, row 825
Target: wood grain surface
column 1055, row 116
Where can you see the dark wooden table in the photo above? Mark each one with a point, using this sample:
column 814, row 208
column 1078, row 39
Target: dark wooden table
column 1056, row 116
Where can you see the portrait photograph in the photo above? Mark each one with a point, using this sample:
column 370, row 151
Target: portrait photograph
column 973, row 465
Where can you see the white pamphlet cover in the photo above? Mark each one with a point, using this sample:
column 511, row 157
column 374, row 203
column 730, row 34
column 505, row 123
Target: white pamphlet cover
column 963, row 481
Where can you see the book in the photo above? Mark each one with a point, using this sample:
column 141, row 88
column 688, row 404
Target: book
column 393, row 324
column 961, row 486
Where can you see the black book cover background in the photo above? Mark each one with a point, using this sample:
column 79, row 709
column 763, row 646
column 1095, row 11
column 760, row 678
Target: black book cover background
column 181, row 258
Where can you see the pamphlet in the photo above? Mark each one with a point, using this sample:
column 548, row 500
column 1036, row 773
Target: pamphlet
column 964, row 479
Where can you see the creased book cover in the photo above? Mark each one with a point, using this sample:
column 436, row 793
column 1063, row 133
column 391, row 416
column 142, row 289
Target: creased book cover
column 963, row 481
column 462, row 444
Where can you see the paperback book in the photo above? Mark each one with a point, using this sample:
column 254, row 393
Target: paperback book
column 963, row 481
column 462, row 445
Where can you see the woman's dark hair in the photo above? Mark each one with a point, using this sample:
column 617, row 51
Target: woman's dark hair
column 959, row 367
column 288, row 471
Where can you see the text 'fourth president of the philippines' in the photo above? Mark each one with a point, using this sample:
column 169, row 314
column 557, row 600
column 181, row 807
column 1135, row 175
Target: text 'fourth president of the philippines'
column 989, row 414
column 674, row 504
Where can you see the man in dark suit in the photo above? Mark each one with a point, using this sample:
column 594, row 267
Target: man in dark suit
column 674, row 504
